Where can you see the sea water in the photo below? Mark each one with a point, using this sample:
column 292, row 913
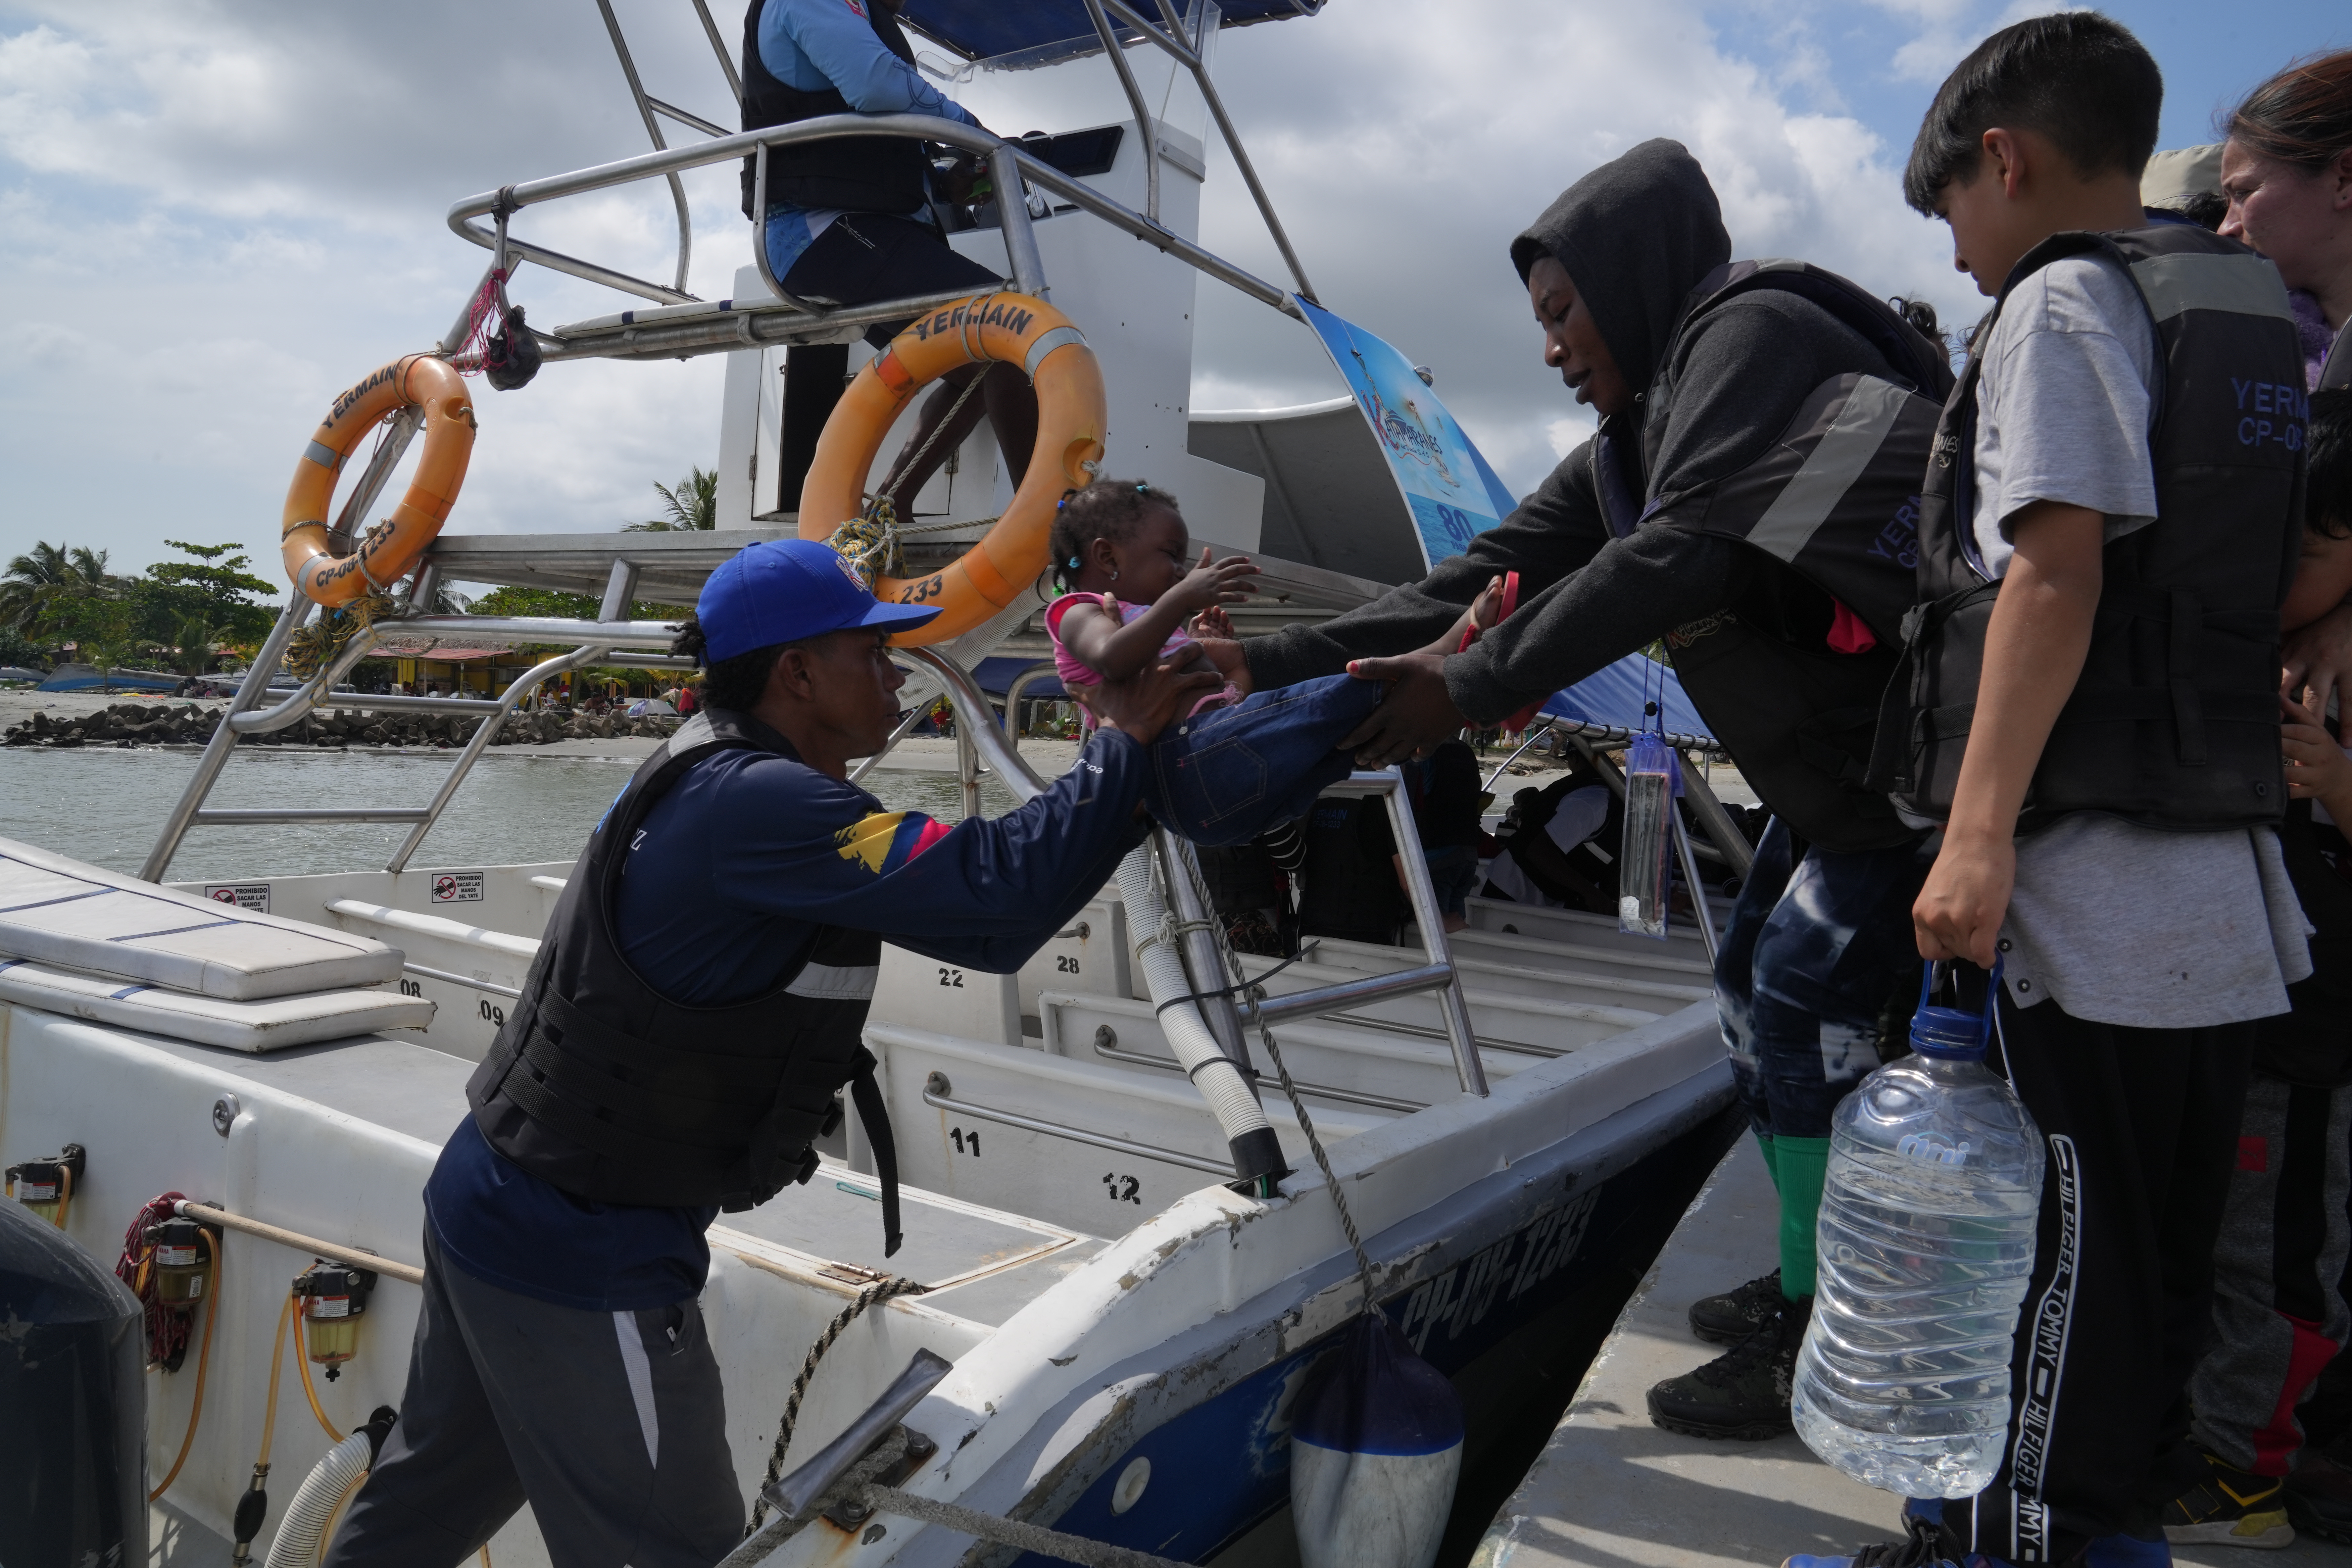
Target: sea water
column 105, row 806
column 1926, row 1238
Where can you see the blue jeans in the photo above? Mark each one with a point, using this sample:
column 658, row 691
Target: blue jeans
column 1454, row 874
column 1809, row 958
column 1225, row 775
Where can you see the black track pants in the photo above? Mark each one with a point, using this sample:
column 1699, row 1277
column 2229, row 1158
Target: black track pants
column 610, row 1425
column 2141, row 1126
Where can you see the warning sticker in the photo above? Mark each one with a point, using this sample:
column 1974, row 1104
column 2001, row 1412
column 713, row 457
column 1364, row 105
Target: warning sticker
column 244, row 895
column 457, row 886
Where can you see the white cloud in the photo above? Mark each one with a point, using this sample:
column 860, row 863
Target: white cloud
column 213, row 216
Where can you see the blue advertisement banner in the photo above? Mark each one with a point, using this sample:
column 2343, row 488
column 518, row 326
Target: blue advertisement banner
column 1452, row 492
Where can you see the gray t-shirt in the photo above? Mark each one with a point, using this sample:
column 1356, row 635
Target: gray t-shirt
column 2121, row 924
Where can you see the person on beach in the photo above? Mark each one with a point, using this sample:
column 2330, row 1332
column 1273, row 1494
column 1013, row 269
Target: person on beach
column 1711, row 379
column 2108, row 791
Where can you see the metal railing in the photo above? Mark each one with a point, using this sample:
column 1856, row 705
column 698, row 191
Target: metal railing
column 608, row 639
column 788, row 319
column 1204, row 957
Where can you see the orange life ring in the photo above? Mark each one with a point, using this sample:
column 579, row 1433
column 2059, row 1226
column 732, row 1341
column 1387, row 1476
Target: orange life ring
column 1006, row 329
column 392, row 547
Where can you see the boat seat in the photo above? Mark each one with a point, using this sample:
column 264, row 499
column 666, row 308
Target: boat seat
column 75, row 916
column 1159, row 1132
column 1539, row 969
column 270, row 1024
column 1338, row 1063
column 1539, row 1023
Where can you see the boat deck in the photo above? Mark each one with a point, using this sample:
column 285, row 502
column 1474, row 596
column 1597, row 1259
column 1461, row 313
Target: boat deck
column 1610, row 1490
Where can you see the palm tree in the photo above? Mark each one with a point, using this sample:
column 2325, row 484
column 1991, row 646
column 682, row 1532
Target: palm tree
column 693, row 506
column 43, row 573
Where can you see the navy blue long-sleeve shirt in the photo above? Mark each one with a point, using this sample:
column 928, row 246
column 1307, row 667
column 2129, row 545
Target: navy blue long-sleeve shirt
column 725, row 885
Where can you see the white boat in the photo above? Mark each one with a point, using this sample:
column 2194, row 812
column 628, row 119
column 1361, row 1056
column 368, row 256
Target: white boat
column 1515, row 1114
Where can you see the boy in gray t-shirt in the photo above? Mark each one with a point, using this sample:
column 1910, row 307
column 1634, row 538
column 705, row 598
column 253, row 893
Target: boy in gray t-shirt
column 2135, row 959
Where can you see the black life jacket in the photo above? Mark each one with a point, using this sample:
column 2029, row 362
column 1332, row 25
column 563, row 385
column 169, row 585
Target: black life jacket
column 854, row 173
column 604, row 1088
column 1595, row 859
column 1835, row 502
column 2174, row 722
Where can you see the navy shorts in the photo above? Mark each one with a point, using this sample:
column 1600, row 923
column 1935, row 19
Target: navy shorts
column 1227, row 774
column 864, row 257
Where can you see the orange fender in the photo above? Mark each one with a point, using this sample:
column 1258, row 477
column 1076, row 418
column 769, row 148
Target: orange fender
column 1007, row 329
column 391, row 548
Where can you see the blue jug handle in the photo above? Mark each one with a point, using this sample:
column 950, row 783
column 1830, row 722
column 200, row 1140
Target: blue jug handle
column 1992, row 985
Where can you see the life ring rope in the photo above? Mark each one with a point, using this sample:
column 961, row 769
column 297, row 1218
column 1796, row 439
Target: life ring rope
column 1002, row 328
column 391, row 547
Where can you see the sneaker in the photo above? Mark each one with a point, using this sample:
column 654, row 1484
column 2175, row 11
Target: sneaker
column 2230, row 1508
column 1728, row 1319
column 1743, row 1393
column 2319, row 1497
column 1923, row 1545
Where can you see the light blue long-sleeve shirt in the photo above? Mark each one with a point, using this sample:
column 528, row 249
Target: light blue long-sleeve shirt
column 813, row 45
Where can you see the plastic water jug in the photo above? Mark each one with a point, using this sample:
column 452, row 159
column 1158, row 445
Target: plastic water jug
column 1925, row 1239
column 1642, row 873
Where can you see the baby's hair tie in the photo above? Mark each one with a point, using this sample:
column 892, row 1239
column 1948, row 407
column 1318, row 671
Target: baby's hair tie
column 1074, row 562
column 1140, row 485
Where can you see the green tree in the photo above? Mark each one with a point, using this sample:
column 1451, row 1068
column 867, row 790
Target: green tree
column 44, row 573
column 214, row 590
column 692, row 507
column 102, row 624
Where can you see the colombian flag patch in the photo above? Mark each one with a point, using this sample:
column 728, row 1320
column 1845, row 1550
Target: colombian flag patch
column 886, row 841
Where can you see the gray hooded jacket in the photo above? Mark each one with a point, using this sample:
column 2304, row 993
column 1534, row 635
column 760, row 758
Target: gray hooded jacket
column 1636, row 236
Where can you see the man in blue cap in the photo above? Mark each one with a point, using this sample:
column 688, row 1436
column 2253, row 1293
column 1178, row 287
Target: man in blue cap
column 694, row 1010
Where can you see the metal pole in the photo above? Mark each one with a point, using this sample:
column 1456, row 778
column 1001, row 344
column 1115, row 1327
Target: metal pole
column 1192, row 62
column 653, row 129
column 967, row 758
column 1144, row 125
column 1018, row 688
column 1013, row 219
column 620, row 589
column 1698, row 889
column 1737, row 851
column 217, row 749
column 1451, row 1003
column 1204, row 958
column 719, row 47
column 378, row 472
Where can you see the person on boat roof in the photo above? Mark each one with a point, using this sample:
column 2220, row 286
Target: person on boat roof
column 849, row 218
column 1678, row 522
column 696, row 1006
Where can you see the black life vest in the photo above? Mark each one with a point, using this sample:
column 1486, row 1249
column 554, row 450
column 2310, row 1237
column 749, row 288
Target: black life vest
column 854, row 174
column 1348, row 887
column 1595, row 859
column 1835, row 501
column 2174, row 722
column 604, row 1088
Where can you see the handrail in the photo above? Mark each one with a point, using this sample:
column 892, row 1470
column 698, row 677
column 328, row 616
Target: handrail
column 937, row 1093
column 1144, row 126
column 1017, row 688
column 209, row 1213
column 918, row 127
column 466, row 980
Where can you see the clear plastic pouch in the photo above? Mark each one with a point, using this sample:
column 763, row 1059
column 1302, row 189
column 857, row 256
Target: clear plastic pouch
column 1651, row 782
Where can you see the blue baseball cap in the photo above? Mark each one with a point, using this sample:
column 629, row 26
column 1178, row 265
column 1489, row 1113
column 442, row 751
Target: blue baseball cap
column 781, row 590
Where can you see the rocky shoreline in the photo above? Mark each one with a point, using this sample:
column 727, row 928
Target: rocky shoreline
column 133, row 724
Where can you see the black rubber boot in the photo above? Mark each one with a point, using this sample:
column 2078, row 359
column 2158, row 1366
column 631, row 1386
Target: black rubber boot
column 1744, row 1393
column 1728, row 1319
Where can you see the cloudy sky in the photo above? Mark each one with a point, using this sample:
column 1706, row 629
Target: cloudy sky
column 215, row 215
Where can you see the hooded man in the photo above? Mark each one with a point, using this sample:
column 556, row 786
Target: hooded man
column 1749, row 500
